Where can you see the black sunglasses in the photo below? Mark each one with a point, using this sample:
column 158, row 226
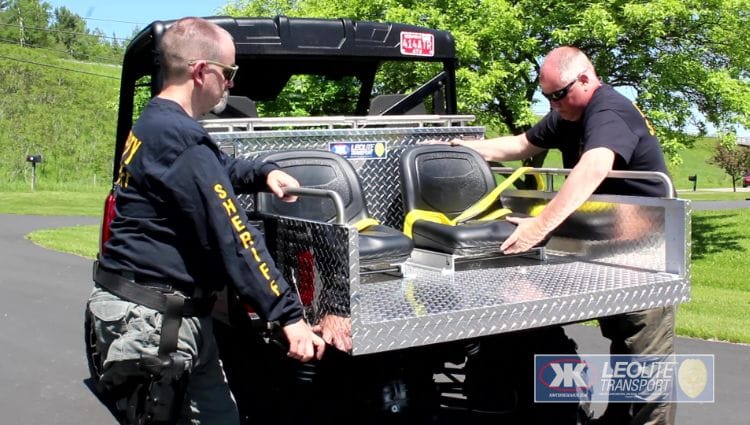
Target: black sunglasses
column 560, row 94
column 228, row 71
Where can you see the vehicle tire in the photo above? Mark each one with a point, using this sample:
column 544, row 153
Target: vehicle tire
column 499, row 378
column 396, row 388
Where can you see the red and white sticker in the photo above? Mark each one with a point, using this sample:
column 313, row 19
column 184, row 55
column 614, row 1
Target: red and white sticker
column 417, row 44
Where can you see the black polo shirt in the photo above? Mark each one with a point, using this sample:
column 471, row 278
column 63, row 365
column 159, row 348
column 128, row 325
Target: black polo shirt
column 611, row 121
column 178, row 219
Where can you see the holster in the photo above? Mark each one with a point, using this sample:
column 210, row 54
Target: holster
column 156, row 394
column 157, row 400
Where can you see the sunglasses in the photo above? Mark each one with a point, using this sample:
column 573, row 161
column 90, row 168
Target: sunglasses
column 560, row 94
column 228, row 71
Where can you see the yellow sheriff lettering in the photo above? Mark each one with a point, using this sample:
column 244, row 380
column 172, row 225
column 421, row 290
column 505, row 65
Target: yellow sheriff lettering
column 219, row 189
column 131, row 147
column 255, row 254
column 229, row 206
column 238, row 224
column 275, row 288
column 264, row 269
column 244, row 235
column 247, row 239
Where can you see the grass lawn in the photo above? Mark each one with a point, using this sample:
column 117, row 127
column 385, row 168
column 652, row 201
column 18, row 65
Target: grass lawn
column 714, row 196
column 89, row 203
column 78, row 240
column 719, row 309
column 720, row 306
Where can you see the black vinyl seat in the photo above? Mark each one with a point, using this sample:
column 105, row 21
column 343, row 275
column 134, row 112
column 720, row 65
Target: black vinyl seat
column 449, row 180
column 326, row 170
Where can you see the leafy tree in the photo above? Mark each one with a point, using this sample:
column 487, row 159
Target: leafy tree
column 676, row 57
column 68, row 26
column 26, row 21
column 733, row 159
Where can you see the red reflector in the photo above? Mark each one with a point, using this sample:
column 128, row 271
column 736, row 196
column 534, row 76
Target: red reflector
column 109, row 214
column 306, row 270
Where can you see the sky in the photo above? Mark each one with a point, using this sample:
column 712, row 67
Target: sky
column 135, row 13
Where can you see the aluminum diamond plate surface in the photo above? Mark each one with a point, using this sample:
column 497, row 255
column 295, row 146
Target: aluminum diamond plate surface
column 618, row 254
column 380, row 177
column 320, row 260
column 429, row 307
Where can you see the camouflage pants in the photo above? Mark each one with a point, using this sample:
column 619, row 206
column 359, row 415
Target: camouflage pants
column 125, row 330
column 641, row 332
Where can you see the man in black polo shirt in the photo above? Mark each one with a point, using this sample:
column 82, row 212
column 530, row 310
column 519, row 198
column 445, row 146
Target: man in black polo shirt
column 598, row 130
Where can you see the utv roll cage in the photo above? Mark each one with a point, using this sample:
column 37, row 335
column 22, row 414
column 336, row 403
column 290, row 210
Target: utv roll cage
column 270, row 50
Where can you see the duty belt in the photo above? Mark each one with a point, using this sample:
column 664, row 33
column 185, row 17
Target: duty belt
column 150, row 297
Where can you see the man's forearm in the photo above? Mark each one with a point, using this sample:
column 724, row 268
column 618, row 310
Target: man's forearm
column 506, row 148
column 583, row 180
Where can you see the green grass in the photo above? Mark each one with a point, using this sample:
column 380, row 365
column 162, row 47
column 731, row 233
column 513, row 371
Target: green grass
column 714, row 196
column 720, row 288
column 715, row 314
column 78, row 240
column 694, row 162
column 89, row 203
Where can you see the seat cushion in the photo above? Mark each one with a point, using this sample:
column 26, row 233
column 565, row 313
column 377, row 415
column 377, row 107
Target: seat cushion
column 382, row 243
column 466, row 238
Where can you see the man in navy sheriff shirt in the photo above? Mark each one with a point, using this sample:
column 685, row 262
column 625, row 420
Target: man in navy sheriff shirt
column 598, row 130
column 179, row 229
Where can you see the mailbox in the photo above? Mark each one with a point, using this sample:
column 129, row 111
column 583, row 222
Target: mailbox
column 34, row 159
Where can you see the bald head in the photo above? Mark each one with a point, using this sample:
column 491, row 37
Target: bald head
column 190, row 38
column 566, row 63
column 568, row 79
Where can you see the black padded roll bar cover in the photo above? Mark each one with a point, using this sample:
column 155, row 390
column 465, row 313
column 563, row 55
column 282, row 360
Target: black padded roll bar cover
column 447, row 179
column 320, row 170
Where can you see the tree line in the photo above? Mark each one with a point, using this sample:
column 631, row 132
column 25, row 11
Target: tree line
column 35, row 24
column 684, row 62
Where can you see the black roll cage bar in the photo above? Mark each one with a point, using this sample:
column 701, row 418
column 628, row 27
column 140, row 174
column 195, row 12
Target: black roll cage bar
column 270, row 50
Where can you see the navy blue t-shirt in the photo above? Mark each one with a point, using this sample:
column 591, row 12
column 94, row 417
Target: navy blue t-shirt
column 611, row 121
column 178, row 219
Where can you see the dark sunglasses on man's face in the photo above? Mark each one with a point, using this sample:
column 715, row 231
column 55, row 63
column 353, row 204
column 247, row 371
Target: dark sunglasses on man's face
column 228, row 71
column 558, row 95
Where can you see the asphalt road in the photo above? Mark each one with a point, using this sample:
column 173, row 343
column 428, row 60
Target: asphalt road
column 41, row 329
column 43, row 369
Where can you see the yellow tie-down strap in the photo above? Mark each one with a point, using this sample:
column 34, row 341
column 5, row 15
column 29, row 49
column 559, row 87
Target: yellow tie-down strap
column 588, row 207
column 365, row 223
column 477, row 209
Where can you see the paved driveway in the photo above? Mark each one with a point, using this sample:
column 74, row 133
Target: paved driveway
column 41, row 333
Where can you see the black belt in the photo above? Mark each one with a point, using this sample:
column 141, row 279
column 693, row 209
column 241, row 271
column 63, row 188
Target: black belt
column 150, row 297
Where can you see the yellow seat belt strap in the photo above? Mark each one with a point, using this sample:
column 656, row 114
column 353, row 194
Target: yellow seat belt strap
column 494, row 215
column 588, row 207
column 433, row 216
column 365, row 223
column 476, row 209
column 483, row 204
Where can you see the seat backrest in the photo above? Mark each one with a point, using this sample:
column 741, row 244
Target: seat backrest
column 319, row 170
column 443, row 178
